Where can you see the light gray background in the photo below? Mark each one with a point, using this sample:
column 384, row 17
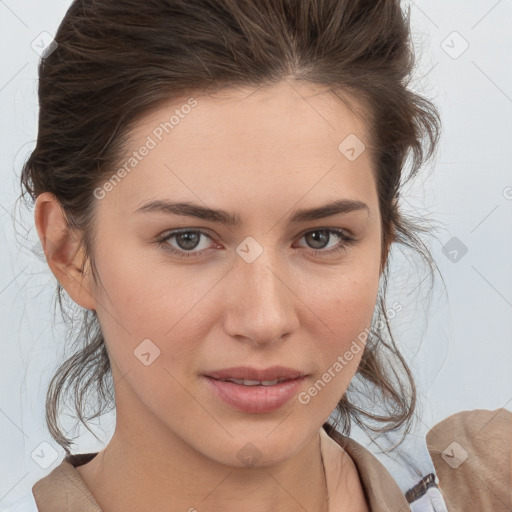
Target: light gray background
column 459, row 346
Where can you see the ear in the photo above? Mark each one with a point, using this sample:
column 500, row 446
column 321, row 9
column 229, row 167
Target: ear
column 61, row 248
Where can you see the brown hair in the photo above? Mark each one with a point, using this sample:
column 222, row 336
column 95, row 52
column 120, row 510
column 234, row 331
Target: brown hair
column 116, row 60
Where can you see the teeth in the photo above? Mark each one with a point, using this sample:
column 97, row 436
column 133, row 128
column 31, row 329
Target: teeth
column 269, row 382
column 254, row 382
column 251, row 382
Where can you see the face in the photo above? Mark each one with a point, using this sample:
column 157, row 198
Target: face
column 184, row 296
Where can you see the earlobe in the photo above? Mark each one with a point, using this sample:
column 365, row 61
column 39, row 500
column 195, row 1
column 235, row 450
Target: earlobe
column 62, row 251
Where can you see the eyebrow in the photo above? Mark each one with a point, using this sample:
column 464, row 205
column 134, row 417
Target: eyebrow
column 341, row 206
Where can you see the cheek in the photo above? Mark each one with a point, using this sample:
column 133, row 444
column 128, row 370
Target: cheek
column 139, row 302
column 346, row 300
column 338, row 357
column 348, row 320
column 136, row 293
column 349, row 311
column 343, row 313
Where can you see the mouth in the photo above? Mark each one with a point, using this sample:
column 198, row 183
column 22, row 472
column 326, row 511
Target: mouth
column 246, row 382
column 256, row 377
column 255, row 391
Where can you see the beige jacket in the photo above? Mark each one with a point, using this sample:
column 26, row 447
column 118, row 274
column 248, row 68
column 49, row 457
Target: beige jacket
column 471, row 452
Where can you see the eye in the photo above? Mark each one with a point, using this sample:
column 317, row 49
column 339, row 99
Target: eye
column 186, row 239
column 325, row 234
column 189, row 239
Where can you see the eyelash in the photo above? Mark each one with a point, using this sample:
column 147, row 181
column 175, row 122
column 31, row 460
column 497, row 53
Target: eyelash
column 346, row 242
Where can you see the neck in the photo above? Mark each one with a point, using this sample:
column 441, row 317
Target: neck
column 150, row 472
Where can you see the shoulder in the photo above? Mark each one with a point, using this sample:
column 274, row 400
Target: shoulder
column 472, row 455
column 25, row 504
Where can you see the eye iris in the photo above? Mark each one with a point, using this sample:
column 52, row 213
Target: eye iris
column 324, row 237
column 188, row 237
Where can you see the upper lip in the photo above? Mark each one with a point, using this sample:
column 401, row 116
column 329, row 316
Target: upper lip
column 247, row 373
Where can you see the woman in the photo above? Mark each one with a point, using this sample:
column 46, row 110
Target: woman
column 217, row 185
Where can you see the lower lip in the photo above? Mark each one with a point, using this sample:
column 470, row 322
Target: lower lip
column 255, row 398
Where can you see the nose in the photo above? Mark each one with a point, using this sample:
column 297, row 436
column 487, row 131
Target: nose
column 261, row 305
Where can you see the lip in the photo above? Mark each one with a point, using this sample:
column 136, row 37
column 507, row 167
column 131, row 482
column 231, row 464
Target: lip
column 254, row 399
column 258, row 398
column 248, row 373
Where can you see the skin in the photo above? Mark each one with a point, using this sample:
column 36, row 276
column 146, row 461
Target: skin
column 261, row 154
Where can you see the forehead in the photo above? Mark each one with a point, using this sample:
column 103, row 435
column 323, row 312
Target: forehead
column 241, row 112
column 286, row 138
